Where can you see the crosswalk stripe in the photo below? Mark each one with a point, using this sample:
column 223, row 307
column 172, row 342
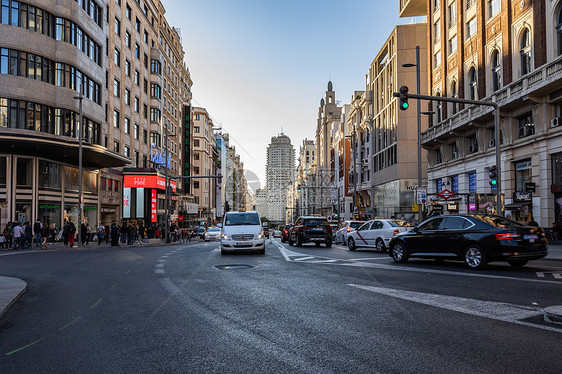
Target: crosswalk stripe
column 303, row 258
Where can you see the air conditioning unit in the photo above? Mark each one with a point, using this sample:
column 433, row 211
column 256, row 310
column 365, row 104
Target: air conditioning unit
column 555, row 122
column 492, row 143
column 455, row 155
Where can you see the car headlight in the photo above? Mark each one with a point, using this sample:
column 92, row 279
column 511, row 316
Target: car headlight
column 225, row 237
column 260, row 235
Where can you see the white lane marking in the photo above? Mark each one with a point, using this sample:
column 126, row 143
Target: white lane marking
column 322, row 261
column 161, row 260
column 166, row 256
column 304, row 258
column 369, row 259
column 540, row 275
column 557, row 275
column 159, row 265
column 488, row 309
column 159, row 271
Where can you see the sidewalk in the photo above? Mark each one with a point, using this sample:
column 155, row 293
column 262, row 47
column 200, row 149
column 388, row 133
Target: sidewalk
column 554, row 251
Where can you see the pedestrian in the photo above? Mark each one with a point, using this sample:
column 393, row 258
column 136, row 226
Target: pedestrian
column 132, row 233
column 37, row 230
column 71, row 233
column 114, row 232
column 65, row 234
column 53, row 231
column 107, row 232
column 2, row 240
column 83, row 233
column 532, row 222
column 44, row 236
column 101, row 233
column 8, row 235
column 88, row 231
column 156, row 233
column 142, row 231
column 124, row 231
column 18, row 236
column 28, row 237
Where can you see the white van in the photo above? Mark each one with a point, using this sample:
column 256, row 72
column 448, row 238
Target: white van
column 242, row 231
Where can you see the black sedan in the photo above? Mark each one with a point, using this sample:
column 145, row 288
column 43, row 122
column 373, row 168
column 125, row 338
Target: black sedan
column 310, row 229
column 474, row 239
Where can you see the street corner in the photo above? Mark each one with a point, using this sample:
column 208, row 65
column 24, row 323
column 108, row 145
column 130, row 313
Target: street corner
column 11, row 290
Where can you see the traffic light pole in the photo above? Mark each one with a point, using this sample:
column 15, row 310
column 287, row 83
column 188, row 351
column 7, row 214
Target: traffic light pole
column 496, row 107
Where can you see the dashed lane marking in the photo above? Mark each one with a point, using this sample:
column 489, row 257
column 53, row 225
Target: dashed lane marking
column 24, row 347
column 541, row 274
column 113, row 286
column 70, row 323
column 94, row 305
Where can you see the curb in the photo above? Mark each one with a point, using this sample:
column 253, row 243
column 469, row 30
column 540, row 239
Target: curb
column 16, row 294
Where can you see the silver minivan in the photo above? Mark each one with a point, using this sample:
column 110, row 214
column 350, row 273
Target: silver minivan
column 242, row 231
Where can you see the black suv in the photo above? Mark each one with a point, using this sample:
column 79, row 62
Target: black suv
column 311, row 230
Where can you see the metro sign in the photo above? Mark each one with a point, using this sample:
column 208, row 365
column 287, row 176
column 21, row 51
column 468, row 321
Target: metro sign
column 446, row 194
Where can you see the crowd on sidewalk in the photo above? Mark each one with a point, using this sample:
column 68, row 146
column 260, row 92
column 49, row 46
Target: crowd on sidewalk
column 17, row 236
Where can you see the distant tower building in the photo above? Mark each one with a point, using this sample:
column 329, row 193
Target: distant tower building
column 279, row 173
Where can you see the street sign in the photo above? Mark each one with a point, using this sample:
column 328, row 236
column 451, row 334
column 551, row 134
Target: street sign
column 415, row 208
column 446, row 194
column 421, row 195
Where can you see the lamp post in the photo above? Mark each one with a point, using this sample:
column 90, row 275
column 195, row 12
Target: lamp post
column 417, row 65
column 80, row 192
column 344, row 169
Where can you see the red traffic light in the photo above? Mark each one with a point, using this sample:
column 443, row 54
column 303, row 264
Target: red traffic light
column 404, row 89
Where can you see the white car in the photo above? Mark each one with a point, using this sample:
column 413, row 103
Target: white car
column 344, row 230
column 242, row 231
column 213, row 233
column 376, row 233
column 277, row 234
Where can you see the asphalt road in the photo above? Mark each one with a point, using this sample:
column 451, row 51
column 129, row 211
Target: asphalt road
column 292, row 310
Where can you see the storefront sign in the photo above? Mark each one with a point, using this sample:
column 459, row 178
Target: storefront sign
column 180, row 218
column 530, row 187
column 126, row 202
column 191, row 208
column 153, row 206
column 90, row 208
column 453, row 207
column 49, row 206
column 108, row 210
column 556, row 188
column 159, row 158
column 523, row 165
column 438, row 208
column 471, row 206
column 519, row 196
column 148, row 181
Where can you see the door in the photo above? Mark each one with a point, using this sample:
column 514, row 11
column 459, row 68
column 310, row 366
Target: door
column 449, row 240
column 374, row 232
column 420, row 242
column 360, row 235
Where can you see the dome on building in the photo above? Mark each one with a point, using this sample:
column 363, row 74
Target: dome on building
column 330, row 86
column 322, row 102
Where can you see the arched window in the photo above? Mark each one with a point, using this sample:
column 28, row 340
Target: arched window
column 496, row 70
column 473, row 86
column 439, row 107
column 525, row 52
column 559, row 30
column 455, row 95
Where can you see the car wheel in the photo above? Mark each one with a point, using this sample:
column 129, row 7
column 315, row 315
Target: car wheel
column 223, row 252
column 517, row 263
column 328, row 244
column 474, row 257
column 380, row 245
column 299, row 241
column 351, row 244
column 291, row 241
column 317, row 244
column 399, row 253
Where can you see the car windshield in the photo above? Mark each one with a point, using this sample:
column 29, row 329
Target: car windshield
column 399, row 223
column 315, row 222
column 214, row 229
column 355, row 225
column 239, row 219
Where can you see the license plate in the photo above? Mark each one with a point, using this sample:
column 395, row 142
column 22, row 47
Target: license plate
column 316, row 229
column 530, row 237
column 316, row 239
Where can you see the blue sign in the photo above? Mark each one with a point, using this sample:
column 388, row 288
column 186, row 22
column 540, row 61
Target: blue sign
column 472, row 182
column 159, row 158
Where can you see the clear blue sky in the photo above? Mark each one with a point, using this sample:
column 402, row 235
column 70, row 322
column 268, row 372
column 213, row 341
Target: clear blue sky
column 262, row 65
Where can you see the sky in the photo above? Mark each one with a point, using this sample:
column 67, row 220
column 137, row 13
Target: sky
column 260, row 67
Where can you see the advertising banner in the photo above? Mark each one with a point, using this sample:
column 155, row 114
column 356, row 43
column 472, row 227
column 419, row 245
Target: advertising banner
column 126, row 203
column 140, row 203
column 153, row 206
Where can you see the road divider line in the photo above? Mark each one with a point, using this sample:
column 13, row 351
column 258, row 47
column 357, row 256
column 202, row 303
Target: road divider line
column 304, row 258
column 70, row 323
column 113, row 286
column 94, row 305
column 127, row 273
column 24, row 347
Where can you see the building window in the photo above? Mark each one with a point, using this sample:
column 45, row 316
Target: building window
column 473, row 84
column 471, row 27
column 526, row 125
column 559, row 30
column 115, row 119
column 438, row 108
column 196, row 142
column 196, row 156
column 145, row 136
column 128, row 12
column 437, row 59
column 494, row 7
column 128, row 39
column 523, row 176
column 155, row 115
column 128, row 68
column 137, row 77
column 127, row 151
column 454, row 94
column 137, row 104
column 454, row 151
column 127, row 122
column 136, row 133
column 117, row 27
column 472, row 144
column 525, row 52
column 455, row 183
column 127, row 96
column 437, row 31
column 453, row 44
column 472, row 183
column 196, row 184
column 496, row 71
column 438, row 157
column 116, row 146
column 196, row 129
column 117, row 57
column 452, row 14
column 469, row 3
column 116, row 88
column 137, row 50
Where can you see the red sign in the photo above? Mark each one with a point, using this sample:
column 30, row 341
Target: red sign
column 446, row 194
column 148, row 181
column 180, row 218
column 153, row 206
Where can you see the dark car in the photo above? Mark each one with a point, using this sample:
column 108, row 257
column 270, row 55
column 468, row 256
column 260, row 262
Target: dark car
column 285, row 233
column 201, row 233
column 311, row 230
column 474, row 239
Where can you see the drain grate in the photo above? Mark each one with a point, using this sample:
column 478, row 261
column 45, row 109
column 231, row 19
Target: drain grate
column 233, row 267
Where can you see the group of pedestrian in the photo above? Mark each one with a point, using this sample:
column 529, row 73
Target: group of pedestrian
column 124, row 234
column 17, row 236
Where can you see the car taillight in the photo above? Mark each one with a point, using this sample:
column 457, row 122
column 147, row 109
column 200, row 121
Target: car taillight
column 348, row 229
column 506, row 236
column 285, row 231
column 396, row 232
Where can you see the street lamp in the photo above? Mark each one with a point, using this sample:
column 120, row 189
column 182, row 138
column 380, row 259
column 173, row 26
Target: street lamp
column 417, row 65
column 166, row 185
column 80, row 192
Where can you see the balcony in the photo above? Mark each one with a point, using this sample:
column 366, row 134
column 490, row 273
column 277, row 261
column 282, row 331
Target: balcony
column 413, row 8
column 531, row 87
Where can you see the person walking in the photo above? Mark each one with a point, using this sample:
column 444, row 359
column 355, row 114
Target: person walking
column 101, row 233
column 27, row 238
column 131, row 233
column 44, row 236
column 71, row 233
column 18, row 236
column 88, row 231
column 8, row 234
column 37, row 230
column 114, row 234
column 107, row 232
column 53, row 231
column 65, row 234
column 142, row 231
column 124, row 231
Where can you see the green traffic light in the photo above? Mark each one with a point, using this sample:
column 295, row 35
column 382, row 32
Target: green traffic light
column 405, row 106
column 494, row 182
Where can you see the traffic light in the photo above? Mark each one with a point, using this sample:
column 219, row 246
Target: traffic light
column 336, row 215
column 299, row 189
column 493, row 175
column 403, row 97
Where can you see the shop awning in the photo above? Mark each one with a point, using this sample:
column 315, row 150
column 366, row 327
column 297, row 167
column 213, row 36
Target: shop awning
column 516, row 206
